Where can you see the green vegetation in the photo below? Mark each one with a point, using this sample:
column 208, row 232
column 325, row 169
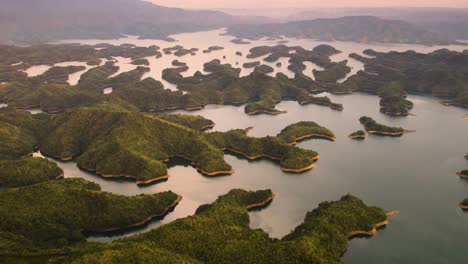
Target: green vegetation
column 19, row 133
column 264, row 69
column 275, row 148
column 140, row 62
column 222, row 85
column 190, row 121
column 332, row 72
column 55, row 213
column 251, row 64
column 358, row 135
column 220, row 233
column 390, row 75
column 178, row 63
column 213, row 48
column 179, row 51
column 128, row 144
column 113, row 142
column 373, row 127
column 27, row 171
column 302, row 130
column 51, row 54
column 393, row 100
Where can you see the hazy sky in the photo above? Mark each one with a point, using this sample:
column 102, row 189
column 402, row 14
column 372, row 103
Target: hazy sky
column 308, row 3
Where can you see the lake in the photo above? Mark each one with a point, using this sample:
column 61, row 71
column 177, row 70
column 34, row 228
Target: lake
column 414, row 174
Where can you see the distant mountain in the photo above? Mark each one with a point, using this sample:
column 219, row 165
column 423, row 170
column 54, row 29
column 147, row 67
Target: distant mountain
column 363, row 29
column 447, row 22
column 38, row 21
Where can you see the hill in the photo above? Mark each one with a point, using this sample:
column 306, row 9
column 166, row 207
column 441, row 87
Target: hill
column 363, row 29
column 33, row 21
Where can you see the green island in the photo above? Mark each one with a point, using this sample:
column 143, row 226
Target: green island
column 141, row 61
column 253, row 64
column 222, row 85
column 358, row 135
column 113, row 142
column 391, row 75
column 54, row 214
column 372, row 127
column 213, row 48
column 304, row 130
column 464, row 204
column 178, row 63
column 463, row 174
column 332, row 72
column 179, row 50
column 219, row 232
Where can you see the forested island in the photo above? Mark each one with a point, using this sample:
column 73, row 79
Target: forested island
column 218, row 231
column 372, row 127
column 358, row 135
column 463, row 174
column 114, row 142
column 392, row 75
column 222, row 85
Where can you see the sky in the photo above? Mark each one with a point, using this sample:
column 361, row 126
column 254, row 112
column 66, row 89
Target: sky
column 249, row 4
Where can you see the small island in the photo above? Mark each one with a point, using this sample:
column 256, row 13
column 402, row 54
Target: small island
column 141, row 61
column 294, row 133
column 253, row 64
column 464, row 204
column 358, row 135
column 213, row 48
column 178, row 63
column 463, row 174
column 372, row 127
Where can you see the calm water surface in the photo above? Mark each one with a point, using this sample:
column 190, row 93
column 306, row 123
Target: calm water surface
column 414, row 174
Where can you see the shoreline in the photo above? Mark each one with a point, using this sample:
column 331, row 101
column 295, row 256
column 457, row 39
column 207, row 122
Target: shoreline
column 463, row 207
column 266, row 112
column 297, row 140
column 376, row 132
column 464, row 176
column 215, row 173
column 261, row 204
column 205, row 173
column 125, row 176
column 373, row 231
column 60, row 176
column 398, row 113
column 357, row 137
column 311, row 166
column 210, row 126
column 137, row 224
column 308, row 167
